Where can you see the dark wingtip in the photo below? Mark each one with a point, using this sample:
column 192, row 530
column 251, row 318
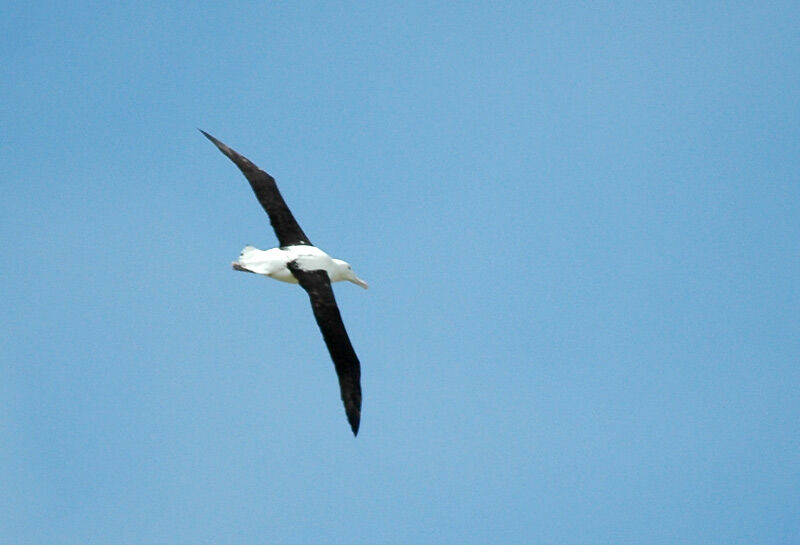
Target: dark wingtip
column 354, row 426
column 352, row 408
column 216, row 142
column 244, row 164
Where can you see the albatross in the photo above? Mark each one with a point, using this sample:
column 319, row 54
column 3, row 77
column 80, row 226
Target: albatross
column 297, row 261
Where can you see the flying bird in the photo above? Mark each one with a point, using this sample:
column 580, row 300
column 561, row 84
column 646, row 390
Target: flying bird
column 297, row 261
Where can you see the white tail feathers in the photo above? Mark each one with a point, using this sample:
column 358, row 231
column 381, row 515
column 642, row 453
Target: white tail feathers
column 246, row 250
column 246, row 258
column 267, row 262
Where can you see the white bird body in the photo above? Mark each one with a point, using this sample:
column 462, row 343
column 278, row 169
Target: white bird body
column 274, row 263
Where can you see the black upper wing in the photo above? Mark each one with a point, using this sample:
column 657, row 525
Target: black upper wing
column 318, row 286
column 266, row 190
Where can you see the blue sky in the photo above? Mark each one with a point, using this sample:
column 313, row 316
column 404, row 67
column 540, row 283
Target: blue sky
column 580, row 226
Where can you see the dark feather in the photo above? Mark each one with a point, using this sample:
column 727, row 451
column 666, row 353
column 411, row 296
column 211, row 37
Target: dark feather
column 318, row 286
column 286, row 228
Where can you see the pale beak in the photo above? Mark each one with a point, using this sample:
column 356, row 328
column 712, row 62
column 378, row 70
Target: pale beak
column 357, row 281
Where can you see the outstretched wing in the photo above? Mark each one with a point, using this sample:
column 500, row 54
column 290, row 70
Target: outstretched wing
column 318, row 286
column 286, row 228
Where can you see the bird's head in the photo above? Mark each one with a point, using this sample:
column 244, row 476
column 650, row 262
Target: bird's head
column 345, row 272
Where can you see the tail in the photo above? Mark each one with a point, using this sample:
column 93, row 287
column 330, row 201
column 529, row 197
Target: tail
column 241, row 264
column 238, row 267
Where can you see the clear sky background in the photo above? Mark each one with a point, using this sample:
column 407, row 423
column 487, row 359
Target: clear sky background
column 581, row 230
